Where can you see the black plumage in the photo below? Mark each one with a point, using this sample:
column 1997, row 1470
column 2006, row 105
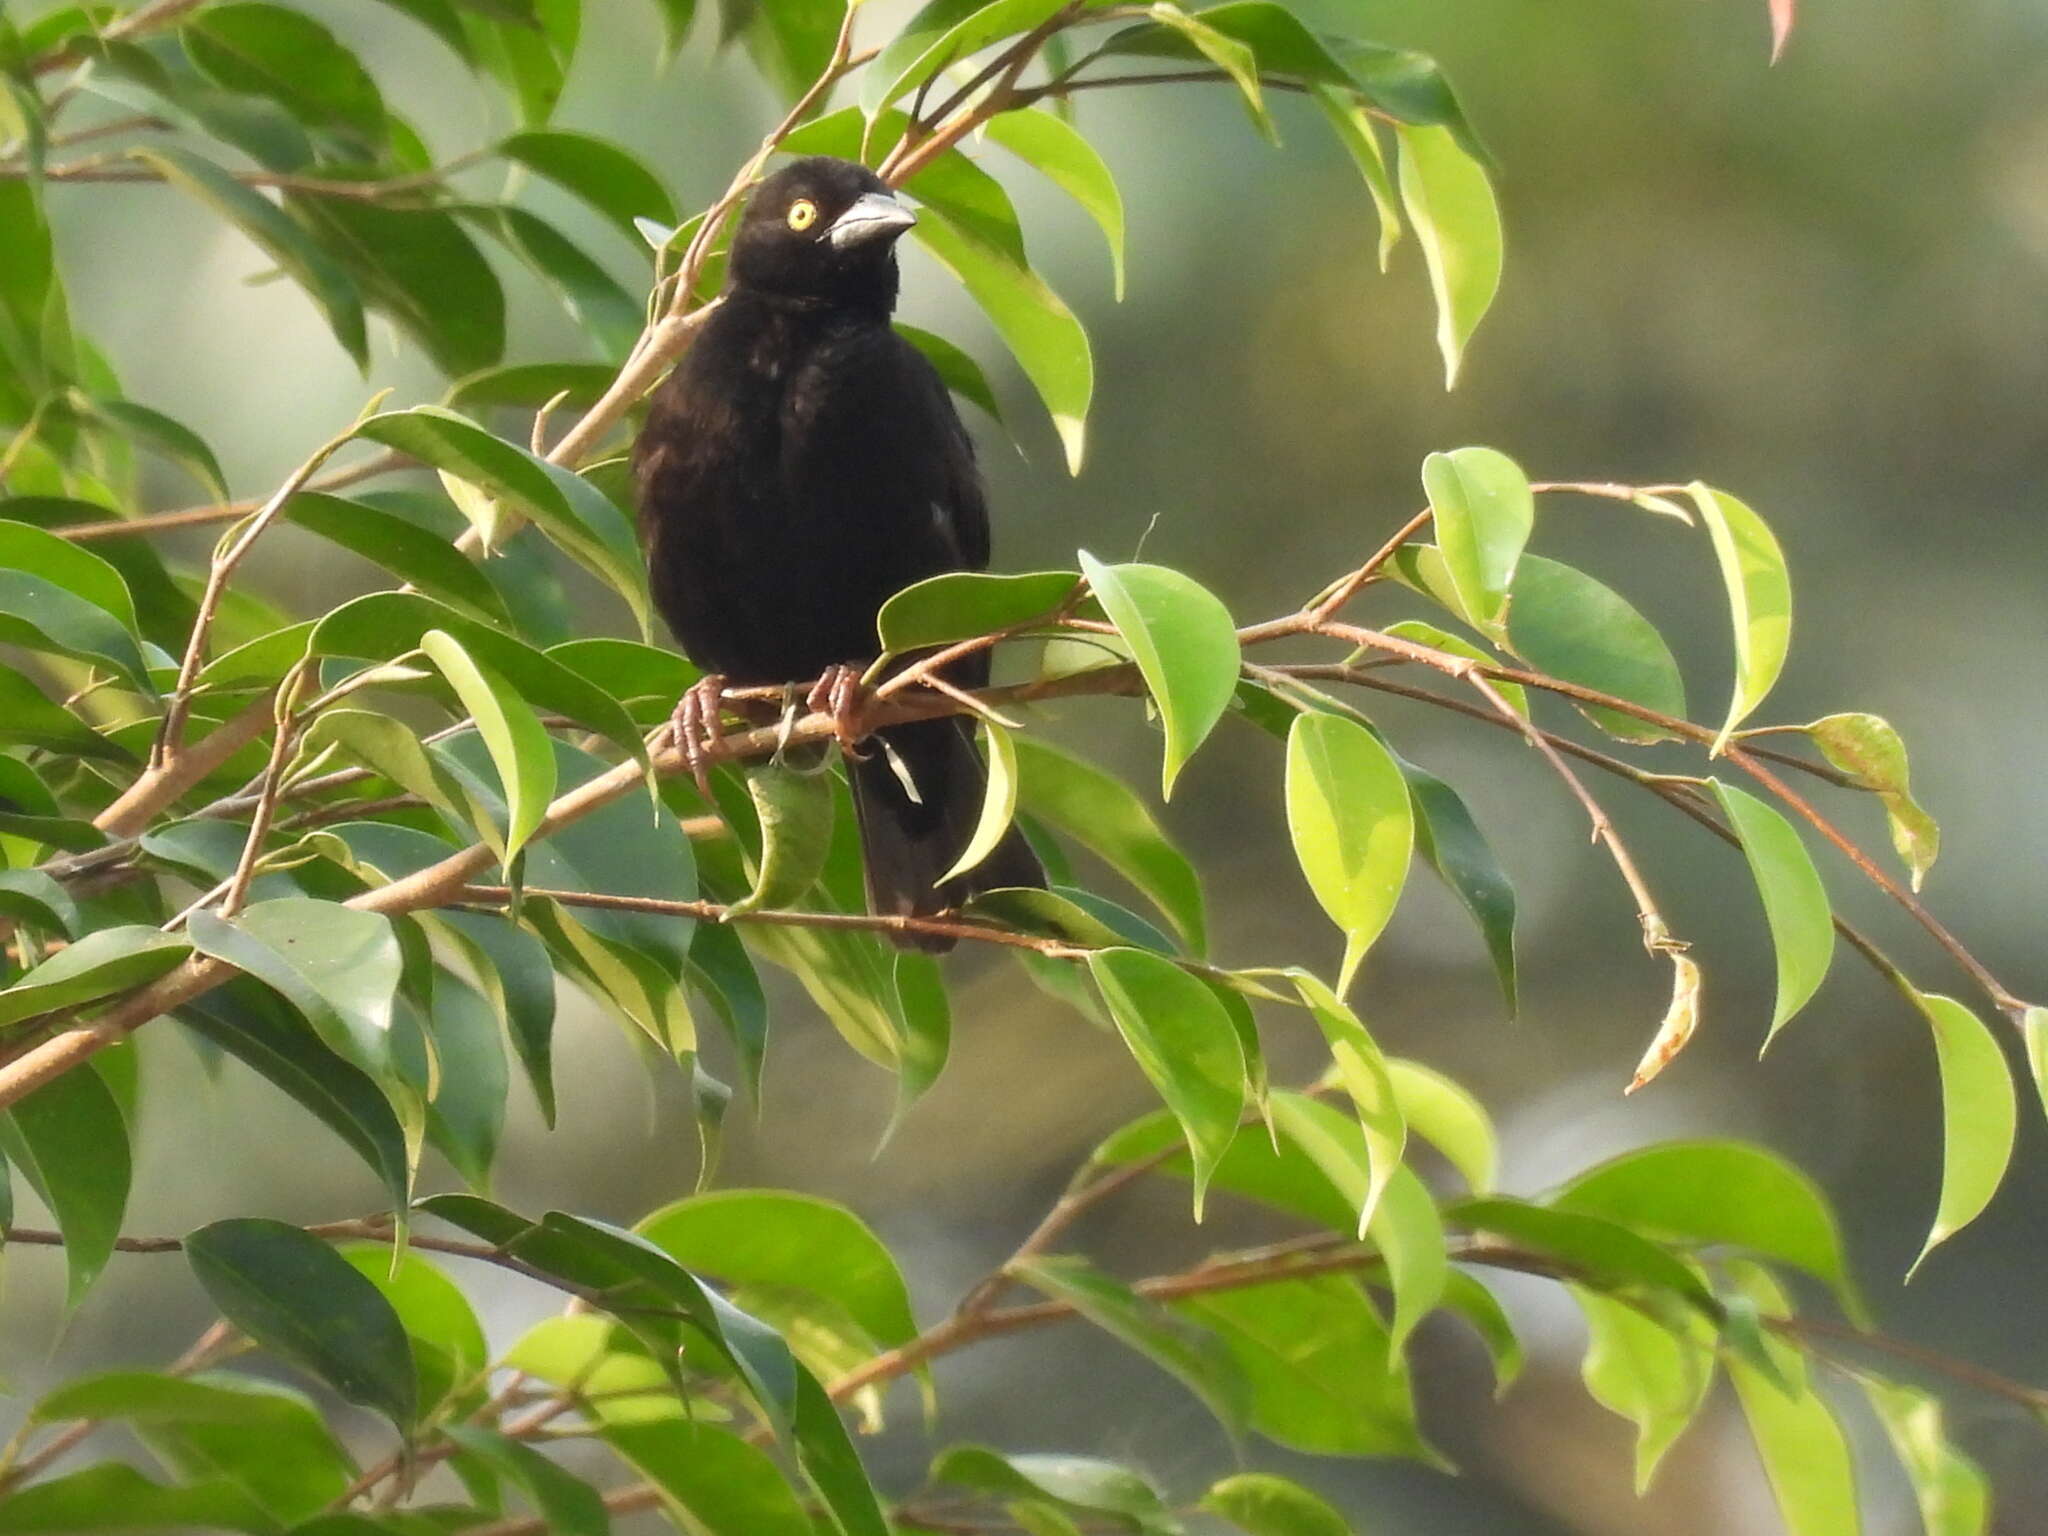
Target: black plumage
column 802, row 464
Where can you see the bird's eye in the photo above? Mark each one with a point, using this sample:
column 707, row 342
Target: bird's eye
column 803, row 213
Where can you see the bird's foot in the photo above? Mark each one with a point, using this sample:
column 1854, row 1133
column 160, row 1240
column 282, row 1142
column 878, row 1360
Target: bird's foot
column 697, row 730
column 840, row 693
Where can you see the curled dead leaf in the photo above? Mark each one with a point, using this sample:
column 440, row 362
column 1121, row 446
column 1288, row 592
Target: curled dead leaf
column 1680, row 1019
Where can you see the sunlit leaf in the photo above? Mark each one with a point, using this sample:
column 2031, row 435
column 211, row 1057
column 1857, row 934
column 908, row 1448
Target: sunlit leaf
column 1483, row 513
column 1457, row 223
column 1447, row 1116
column 1184, row 1042
column 518, row 743
column 1362, row 1068
column 1353, row 830
column 1720, row 1192
column 1084, row 1483
column 1759, row 597
column 1979, row 1113
column 1953, row 1493
column 1266, row 1505
column 610, row 179
column 1047, row 341
column 1654, row 1372
column 1795, row 901
column 1805, row 1454
column 105, row 961
column 961, row 604
column 1058, row 150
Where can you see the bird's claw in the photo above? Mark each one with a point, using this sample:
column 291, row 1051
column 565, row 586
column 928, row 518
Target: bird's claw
column 697, row 730
column 839, row 692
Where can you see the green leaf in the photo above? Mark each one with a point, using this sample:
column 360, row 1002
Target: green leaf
column 104, row 962
column 1362, row 1069
column 1274, row 1171
column 1353, row 829
column 386, row 625
column 1182, row 1039
column 1038, row 328
column 1759, row 597
column 1565, row 623
column 1653, row 1372
column 70, row 1141
column 729, row 1487
column 411, row 553
column 566, row 1504
column 1868, row 747
column 611, row 317
column 519, row 744
column 1450, row 841
column 794, row 809
column 32, row 897
column 1184, row 642
column 1103, row 814
column 1084, row 1483
column 448, row 1345
column 1324, row 1379
column 999, row 804
column 575, row 515
column 1479, row 1307
column 280, row 236
column 1805, row 1455
column 1359, row 134
column 513, row 968
column 788, row 1241
column 830, row 1463
column 1720, row 1192
column 942, row 34
column 605, row 176
column 1266, row 1505
column 1978, row 1113
column 298, row 1298
column 1457, row 223
column 529, row 386
column 420, row 268
column 264, row 1438
column 40, row 614
column 466, row 1116
column 84, row 1501
column 1953, row 1493
column 287, row 57
column 1449, row 1118
column 1192, row 1356
column 1795, row 900
column 1059, row 151
column 962, row 604
column 339, row 967
column 1607, row 1253
column 1483, row 513
column 248, row 1022
column 71, row 566
column 957, row 370
column 1234, row 58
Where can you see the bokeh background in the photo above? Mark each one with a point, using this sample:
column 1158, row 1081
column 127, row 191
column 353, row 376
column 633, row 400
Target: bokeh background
column 1822, row 285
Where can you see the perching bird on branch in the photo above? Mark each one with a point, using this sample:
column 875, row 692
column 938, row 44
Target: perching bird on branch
column 801, row 465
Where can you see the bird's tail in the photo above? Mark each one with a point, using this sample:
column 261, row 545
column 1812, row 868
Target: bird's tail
column 908, row 843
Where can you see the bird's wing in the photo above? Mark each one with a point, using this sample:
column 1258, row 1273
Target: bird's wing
column 871, row 429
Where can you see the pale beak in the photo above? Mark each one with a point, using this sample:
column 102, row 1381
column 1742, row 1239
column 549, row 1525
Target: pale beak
column 873, row 216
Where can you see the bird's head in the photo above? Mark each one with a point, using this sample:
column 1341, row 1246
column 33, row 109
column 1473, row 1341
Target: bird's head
column 821, row 229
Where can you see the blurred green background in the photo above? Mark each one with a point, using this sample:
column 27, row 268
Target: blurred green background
column 1823, row 286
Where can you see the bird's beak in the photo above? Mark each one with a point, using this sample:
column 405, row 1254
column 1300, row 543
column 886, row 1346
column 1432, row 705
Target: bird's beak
column 873, row 216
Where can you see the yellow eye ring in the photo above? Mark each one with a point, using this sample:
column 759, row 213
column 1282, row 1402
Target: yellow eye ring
column 803, row 213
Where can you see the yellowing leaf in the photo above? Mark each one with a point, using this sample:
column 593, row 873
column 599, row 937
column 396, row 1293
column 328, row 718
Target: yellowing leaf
column 1868, row 747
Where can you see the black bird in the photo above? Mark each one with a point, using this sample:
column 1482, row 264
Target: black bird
column 801, row 465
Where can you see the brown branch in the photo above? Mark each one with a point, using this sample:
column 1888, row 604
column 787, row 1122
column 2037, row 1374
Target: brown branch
column 224, row 512
column 1327, row 607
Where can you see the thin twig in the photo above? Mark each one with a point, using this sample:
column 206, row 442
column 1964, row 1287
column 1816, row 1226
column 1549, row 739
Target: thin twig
column 223, row 512
column 234, row 549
